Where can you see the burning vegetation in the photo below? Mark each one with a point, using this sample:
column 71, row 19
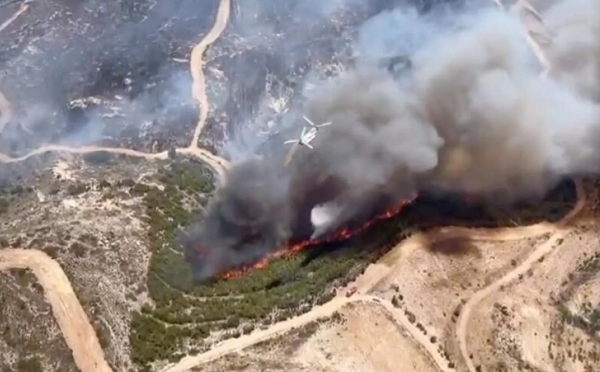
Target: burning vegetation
column 471, row 116
column 343, row 234
column 468, row 116
column 187, row 312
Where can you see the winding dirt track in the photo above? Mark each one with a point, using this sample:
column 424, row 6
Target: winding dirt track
column 377, row 272
column 197, row 64
column 69, row 314
column 81, row 337
column 21, row 10
column 217, row 163
column 560, row 230
column 533, row 24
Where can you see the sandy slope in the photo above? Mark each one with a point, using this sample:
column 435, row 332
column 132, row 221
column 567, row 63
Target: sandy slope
column 69, row 314
column 80, row 335
column 378, row 271
column 561, row 230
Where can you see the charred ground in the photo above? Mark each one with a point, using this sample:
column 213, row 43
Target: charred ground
column 94, row 72
column 112, row 222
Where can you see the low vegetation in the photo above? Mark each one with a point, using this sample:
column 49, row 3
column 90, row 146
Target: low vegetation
column 185, row 313
column 185, row 316
column 588, row 317
column 30, row 340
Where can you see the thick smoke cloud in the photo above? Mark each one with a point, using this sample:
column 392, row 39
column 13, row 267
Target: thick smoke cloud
column 473, row 115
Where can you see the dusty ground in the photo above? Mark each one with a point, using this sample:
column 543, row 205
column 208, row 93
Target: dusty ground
column 547, row 320
column 32, row 338
column 95, row 234
column 405, row 315
column 347, row 343
column 433, row 285
column 544, row 317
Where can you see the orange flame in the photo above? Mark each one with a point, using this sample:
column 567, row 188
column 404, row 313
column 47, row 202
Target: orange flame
column 299, row 247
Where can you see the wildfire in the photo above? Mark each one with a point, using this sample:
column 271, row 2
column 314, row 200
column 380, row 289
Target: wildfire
column 296, row 248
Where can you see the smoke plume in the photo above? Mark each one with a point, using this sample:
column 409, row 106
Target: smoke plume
column 472, row 115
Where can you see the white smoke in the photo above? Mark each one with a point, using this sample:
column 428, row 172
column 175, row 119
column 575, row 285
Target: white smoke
column 473, row 115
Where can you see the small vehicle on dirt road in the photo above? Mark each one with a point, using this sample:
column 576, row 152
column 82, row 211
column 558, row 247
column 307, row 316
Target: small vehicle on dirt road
column 351, row 291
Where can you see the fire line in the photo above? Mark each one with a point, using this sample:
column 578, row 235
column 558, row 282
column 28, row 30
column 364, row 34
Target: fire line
column 289, row 251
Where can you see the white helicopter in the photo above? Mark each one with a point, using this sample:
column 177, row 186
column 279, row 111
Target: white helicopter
column 313, row 126
column 305, row 138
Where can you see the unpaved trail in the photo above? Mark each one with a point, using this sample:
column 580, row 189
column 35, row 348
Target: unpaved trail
column 255, row 337
column 561, row 229
column 72, row 320
column 6, row 111
column 419, row 337
column 21, row 10
column 218, row 164
column 322, row 311
column 376, row 272
column 533, row 25
column 215, row 162
column 84, row 150
column 6, row 108
column 197, row 65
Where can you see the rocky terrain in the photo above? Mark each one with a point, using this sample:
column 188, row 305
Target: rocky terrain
column 114, row 73
column 503, row 289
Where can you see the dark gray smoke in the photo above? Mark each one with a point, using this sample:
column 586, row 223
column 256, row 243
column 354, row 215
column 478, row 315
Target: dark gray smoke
column 472, row 115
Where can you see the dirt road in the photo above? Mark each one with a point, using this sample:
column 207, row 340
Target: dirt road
column 21, row 10
column 535, row 29
column 218, row 164
column 6, row 111
column 215, row 162
column 197, row 64
column 561, row 230
column 255, row 337
column 69, row 314
column 378, row 271
column 325, row 310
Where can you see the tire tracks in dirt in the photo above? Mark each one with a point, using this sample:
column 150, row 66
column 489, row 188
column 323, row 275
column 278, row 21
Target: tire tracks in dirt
column 377, row 272
column 67, row 310
column 560, row 230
